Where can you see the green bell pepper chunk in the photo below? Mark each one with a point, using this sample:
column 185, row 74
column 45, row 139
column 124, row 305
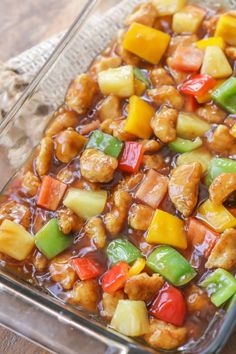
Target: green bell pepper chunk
column 217, row 166
column 122, row 250
column 231, row 303
column 171, row 265
column 51, row 241
column 141, row 76
column 220, row 285
column 105, row 143
column 184, row 145
column 225, row 95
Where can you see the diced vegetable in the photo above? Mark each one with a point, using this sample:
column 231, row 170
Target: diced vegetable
column 139, row 74
column 139, row 117
column 131, row 318
column 201, row 155
column 209, row 42
column 137, row 267
column 51, row 241
column 167, row 229
column 187, row 59
column 153, row 189
column 201, row 236
column 191, row 104
column 225, row 95
column 207, row 97
column 51, row 193
column 171, row 265
column 168, row 7
column 131, row 157
column 139, row 87
column 190, row 126
column 122, row 250
column 217, row 166
column 15, row 241
column 188, row 20
column 105, row 143
column 221, row 285
column 85, row 203
column 169, row 306
column 198, row 85
column 215, row 63
column 226, row 28
column 86, row 268
column 117, row 81
column 146, row 42
column 217, row 216
column 115, row 278
column 183, row 145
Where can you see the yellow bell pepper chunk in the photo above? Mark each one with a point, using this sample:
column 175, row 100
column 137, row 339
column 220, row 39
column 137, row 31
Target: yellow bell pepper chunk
column 217, row 216
column 207, row 97
column 211, row 41
column 233, row 130
column 137, row 267
column 139, row 87
column 167, row 229
column 146, row 42
column 139, row 117
column 226, row 28
column 15, row 241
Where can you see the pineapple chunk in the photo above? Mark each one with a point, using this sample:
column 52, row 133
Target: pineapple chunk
column 15, row 241
column 226, row 28
column 131, row 318
column 190, row 126
column 118, row 81
column 168, row 7
column 188, row 20
column 201, row 155
column 215, row 63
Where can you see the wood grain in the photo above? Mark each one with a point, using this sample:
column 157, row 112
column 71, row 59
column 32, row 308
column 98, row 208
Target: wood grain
column 24, row 24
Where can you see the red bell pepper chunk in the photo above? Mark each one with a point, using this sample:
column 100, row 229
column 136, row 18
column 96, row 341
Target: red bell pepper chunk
column 198, row 85
column 191, row 104
column 201, row 236
column 131, row 157
column 51, row 193
column 187, row 59
column 86, row 268
column 115, row 278
column 169, row 306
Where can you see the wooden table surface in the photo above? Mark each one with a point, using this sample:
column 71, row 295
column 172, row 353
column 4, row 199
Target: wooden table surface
column 22, row 25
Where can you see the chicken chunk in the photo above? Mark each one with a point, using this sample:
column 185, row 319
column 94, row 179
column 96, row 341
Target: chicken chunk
column 88, row 128
column 130, row 182
column 222, row 187
column 68, row 221
column 167, row 95
column 39, row 261
column 81, row 93
column 95, row 166
column 105, row 63
column 86, row 294
column 211, row 113
column 223, row 254
column 61, row 122
column 222, row 141
column 231, row 52
column 151, row 146
column 95, row 231
column 110, row 302
column 183, row 187
column 109, row 108
column 197, row 300
column 140, row 217
column 45, row 156
column 165, row 335
column 160, row 76
column 62, row 272
column 30, row 184
column 69, row 143
column 16, row 212
column 164, row 124
column 114, row 220
column 143, row 287
column 145, row 14
column 155, row 162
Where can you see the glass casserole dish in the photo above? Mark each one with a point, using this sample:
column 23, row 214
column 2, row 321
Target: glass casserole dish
column 16, row 140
